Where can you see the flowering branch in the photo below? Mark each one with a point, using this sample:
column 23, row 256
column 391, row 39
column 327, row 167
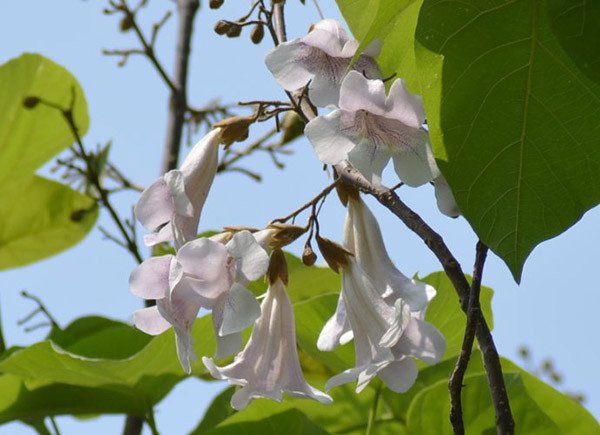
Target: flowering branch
column 456, row 379
column 388, row 198
column 311, row 203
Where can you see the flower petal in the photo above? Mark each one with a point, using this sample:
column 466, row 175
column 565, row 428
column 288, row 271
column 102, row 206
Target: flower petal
column 228, row 344
column 150, row 280
column 251, row 260
column 333, row 28
column 150, row 321
column 400, row 375
column 285, row 63
column 155, row 206
column 330, row 144
column 240, row 310
column 422, row 340
column 445, row 199
column 324, row 92
column 165, row 234
column 370, row 160
column 182, row 204
column 413, row 164
column 328, row 42
column 404, row 106
column 358, row 93
column 336, row 327
column 398, row 327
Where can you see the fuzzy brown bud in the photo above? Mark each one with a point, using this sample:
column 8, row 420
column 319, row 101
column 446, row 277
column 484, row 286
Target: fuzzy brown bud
column 126, row 23
column 277, row 267
column 215, row 4
column 257, row 34
column 292, row 126
column 235, row 129
column 31, row 102
column 334, row 254
column 308, row 255
column 234, row 30
column 222, row 27
column 285, row 234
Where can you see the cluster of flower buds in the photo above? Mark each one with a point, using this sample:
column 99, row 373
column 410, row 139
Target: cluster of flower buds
column 379, row 308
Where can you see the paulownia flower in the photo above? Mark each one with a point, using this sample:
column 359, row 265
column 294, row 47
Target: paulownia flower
column 171, row 206
column 322, row 58
column 362, row 236
column 268, row 366
column 203, row 274
column 381, row 309
column 370, row 128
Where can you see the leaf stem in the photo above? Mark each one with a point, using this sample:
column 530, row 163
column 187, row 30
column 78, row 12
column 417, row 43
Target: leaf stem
column 373, row 411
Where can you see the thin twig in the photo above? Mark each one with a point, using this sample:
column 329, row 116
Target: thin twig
column 310, row 203
column 455, row 383
column 373, row 412
column 40, row 308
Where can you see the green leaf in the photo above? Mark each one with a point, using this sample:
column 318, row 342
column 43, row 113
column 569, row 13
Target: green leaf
column 512, row 120
column 445, row 313
column 512, row 99
column 39, row 218
column 268, row 418
column 537, row 408
column 30, row 137
column 218, row 411
column 133, row 382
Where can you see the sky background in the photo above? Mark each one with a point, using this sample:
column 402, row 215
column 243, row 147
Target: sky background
column 553, row 311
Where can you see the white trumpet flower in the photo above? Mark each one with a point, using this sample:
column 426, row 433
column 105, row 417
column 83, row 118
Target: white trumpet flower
column 203, row 274
column 268, row 366
column 171, row 206
column 322, row 58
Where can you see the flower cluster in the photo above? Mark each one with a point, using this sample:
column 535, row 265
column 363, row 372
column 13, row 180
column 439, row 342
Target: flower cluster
column 379, row 308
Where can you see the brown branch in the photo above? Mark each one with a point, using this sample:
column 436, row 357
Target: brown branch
column 310, row 203
column 455, row 383
column 186, row 11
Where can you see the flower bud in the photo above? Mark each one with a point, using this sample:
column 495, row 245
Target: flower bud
column 222, row 27
column 234, row 30
column 126, row 23
column 257, row 34
column 31, row 102
column 292, row 126
column 334, row 254
column 277, row 267
column 215, row 4
column 308, row 255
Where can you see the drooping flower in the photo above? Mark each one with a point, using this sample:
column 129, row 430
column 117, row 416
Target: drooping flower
column 269, row 366
column 445, row 198
column 204, row 274
column 380, row 309
column 363, row 237
column 171, row 206
column 322, row 58
column 370, row 128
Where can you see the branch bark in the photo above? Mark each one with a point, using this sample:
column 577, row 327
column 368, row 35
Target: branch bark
column 186, row 12
column 455, row 383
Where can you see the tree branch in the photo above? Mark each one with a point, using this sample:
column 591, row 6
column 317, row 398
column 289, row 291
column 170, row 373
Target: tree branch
column 186, row 10
column 456, row 379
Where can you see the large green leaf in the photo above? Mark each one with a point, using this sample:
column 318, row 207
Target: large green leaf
column 30, row 137
column 445, row 313
column 537, row 408
column 131, row 381
column 513, row 103
column 40, row 217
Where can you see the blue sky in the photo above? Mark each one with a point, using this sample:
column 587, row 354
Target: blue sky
column 552, row 311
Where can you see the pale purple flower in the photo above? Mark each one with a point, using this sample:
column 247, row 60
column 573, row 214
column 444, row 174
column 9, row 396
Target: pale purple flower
column 322, row 58
column 370, row 128
column 445, row 198
column 171, row 206
column 381, row 309
column 268, row 366
column 204, row 274
column 363, row 237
